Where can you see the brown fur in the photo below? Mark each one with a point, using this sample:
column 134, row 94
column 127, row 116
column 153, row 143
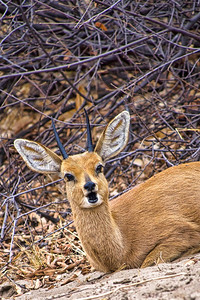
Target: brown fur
column 163, row 216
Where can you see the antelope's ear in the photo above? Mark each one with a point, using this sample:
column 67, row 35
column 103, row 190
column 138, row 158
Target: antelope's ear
column 38, row 157
column 114, row 137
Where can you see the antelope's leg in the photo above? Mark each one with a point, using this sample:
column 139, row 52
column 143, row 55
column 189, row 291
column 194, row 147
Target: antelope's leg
column 168, row 252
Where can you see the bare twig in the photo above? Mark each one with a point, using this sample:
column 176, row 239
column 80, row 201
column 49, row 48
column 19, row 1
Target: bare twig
column 59, row 57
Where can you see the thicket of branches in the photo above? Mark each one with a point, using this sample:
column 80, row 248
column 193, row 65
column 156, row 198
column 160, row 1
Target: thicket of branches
column 58, row 57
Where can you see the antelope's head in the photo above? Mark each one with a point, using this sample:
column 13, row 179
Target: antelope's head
column 86, row 185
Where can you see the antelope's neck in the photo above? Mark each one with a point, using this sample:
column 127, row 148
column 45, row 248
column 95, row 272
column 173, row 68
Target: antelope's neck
column 100, row 237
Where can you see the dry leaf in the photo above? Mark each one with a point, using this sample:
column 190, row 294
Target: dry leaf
column 79, row 99
column 101, row 26
column 67, row 55
column 70, row 279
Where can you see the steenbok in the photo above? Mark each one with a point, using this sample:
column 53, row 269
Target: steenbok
column 156, row 221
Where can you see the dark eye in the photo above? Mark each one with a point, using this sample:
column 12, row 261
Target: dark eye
column 99, row 169
column 69, row 177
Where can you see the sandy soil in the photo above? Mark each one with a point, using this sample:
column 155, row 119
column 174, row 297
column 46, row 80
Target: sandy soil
column 177, row 280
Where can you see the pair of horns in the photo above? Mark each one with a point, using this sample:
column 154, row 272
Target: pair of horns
column 89, row 145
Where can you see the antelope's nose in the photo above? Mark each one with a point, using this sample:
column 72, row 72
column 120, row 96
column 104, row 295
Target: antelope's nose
column 89, row 186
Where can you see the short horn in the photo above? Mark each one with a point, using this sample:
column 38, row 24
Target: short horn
column 89, row 145
column 60, row 146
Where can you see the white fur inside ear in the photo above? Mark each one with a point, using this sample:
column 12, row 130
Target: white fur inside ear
column 115, row 136
column 38, row 157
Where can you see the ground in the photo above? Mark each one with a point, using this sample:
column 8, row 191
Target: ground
column 176, row 280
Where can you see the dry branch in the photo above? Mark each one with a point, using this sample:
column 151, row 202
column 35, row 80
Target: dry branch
column 58, row 57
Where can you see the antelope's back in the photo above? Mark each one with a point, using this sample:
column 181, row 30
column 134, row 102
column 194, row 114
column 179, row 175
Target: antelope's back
column 162, row 204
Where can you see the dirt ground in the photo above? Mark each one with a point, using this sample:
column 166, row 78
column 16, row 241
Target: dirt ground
column 177, row 280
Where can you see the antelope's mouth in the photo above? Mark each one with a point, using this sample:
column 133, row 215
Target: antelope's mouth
column 92, row 197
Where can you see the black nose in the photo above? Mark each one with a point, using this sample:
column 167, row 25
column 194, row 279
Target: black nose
column 89, row 186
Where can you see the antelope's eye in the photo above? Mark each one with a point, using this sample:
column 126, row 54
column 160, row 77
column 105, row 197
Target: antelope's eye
column 99, row 169
column 69, row 177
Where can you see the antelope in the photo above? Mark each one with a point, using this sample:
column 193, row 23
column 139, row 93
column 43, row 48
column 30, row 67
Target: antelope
column 156, row 221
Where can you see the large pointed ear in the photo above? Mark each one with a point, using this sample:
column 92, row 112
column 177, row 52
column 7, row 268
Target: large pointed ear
column 38, row 157
column 114, row 137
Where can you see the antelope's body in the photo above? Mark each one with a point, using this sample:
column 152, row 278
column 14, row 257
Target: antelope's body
column 156, row 221
column 163, row 216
